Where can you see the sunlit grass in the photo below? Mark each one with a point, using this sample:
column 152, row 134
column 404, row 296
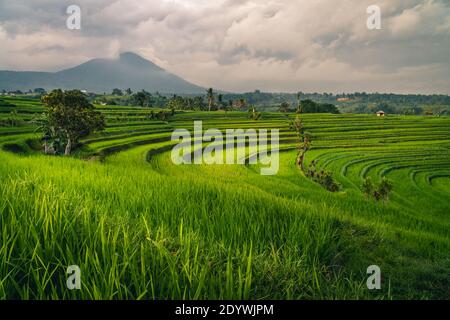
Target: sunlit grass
column 140, row 227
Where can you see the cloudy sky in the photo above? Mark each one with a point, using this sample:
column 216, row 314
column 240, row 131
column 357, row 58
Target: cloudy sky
column 240, row 45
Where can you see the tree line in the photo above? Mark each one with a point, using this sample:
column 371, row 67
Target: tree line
column 359, row 102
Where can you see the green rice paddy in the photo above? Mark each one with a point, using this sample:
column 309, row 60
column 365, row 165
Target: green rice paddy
column 141, row 227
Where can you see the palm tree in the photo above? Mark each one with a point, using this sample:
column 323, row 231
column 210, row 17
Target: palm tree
column 299, row 104
column 220, row 100
column 229, row 107
column 210, row 97
column 49, row 133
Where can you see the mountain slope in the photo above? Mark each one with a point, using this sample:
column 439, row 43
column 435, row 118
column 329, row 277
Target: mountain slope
column 102, row 75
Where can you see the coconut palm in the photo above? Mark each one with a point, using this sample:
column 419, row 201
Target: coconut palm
column 210, row 97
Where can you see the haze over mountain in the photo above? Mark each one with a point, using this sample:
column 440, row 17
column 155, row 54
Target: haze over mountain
column 102, row 75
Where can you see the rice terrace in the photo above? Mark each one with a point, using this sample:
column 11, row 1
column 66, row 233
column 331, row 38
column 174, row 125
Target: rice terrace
column 224, row 159
column 141, row 227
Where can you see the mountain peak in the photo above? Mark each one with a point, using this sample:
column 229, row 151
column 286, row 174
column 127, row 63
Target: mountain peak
column 130, row 55
column 129, row 70
column 134, row 59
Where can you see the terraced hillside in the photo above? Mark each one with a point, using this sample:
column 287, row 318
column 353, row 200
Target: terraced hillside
column 141, row 227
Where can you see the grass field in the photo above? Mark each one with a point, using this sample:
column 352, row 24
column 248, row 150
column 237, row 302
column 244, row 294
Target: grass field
column 140, row 227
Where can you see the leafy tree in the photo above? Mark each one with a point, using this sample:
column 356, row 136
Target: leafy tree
column 328, row 108
column 159, row 100
column 117, row 92
column 176, row 103
column 198, row 104
column 284, row 107
column 39, row 91
column 142, row 98
column 308, row 106
column 188, row 103
column 242, row 103
column 71, row 113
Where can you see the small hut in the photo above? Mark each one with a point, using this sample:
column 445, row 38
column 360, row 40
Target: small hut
column 381, row 114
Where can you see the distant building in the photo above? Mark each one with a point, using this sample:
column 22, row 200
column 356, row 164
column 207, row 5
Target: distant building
column 381, row 113
column 343, row 99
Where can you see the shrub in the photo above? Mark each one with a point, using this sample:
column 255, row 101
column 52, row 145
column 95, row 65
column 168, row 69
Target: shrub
column 324, row 178
column 385, row 188
column 368, row 187
column 380, row 192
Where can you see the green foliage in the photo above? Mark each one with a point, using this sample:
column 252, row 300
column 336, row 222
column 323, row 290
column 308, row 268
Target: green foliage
column 304, row 140
column 13, row 120
column 142, row 98
column 309, row 106
column 39, row 91
column 322, row 177
column 284, row 107
column 117, row 92
column 179, row 103
column 298, row 127
column 198, row 104
column 71, row 113
column 377, row 192
column 368, row 187
column 142, row 228
column 253, row 114
column 53, row 138
column 164, row 115
column 385, row 188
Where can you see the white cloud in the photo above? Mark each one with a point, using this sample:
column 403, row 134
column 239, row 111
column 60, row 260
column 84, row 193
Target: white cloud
column 312, row 45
